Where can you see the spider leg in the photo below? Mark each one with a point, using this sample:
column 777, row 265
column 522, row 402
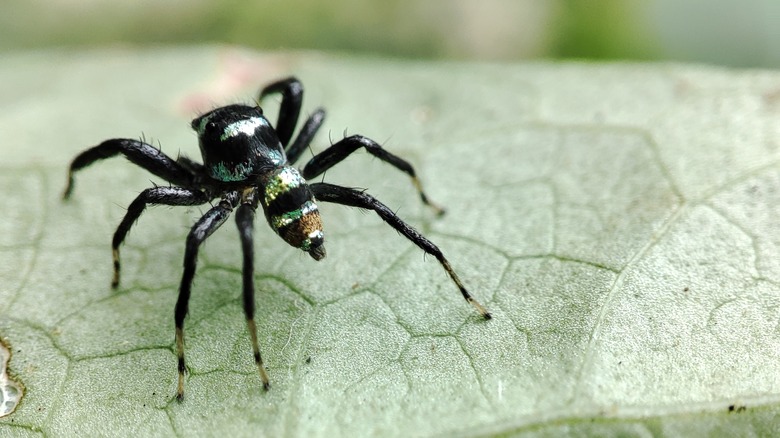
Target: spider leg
column 154, row 196
column 307, row 133
column 292, row 97
column 245, row 215
column 343, row 148
column 355, row 198
column 202, row 229
column 190, row 165
column 138, row 152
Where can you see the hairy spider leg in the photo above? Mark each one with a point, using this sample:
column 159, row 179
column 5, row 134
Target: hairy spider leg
column 289, row 111
column 202, row 229
column 191, row 165
column 139, row 153
column 245, row 216
column 305, row 136
column 340, row 150
column 290, row 108
column 155, row 196
column 354, row 198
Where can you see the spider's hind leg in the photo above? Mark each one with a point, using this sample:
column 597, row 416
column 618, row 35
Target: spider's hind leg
column 290, row 108
column 343, row 148
column 289, row 111
column 305, row 136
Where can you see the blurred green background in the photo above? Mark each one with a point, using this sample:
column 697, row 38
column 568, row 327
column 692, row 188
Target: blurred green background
column 729, row 32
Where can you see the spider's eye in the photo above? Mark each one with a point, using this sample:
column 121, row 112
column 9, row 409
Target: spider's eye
column 203, row 125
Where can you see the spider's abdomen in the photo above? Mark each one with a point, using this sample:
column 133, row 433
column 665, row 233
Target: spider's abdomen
column 291, row 210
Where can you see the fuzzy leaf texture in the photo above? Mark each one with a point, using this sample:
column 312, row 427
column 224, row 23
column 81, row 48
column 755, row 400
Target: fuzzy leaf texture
column 621, row 221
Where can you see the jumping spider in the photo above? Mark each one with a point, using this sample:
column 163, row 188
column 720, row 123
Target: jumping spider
column 246, row 163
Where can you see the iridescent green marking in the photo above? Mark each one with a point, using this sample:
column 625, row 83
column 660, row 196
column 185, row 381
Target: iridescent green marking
column 285, row 219
column 238, row 172
column 275, row 156
column 286, row 179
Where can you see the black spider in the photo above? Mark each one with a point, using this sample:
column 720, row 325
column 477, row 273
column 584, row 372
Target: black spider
column 247, row 162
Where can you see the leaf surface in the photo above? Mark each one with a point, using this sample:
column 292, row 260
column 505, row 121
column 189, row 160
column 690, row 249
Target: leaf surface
column 621, row 221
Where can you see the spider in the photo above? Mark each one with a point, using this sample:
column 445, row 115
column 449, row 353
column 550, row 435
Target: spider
column 246, row 163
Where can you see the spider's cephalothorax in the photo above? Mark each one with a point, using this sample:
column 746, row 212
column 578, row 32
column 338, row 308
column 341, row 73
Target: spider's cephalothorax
column 239, row 146
column 246, row 163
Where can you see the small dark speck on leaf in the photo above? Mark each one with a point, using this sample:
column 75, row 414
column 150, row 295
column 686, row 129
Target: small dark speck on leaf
column 686, row 289
column 308, row 360
column 737, row 408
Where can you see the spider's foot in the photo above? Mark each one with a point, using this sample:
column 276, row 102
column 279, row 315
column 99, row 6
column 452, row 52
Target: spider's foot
column 180, row 387
column 263, row 373
column 264, row 378
column 68, row 188
column 250, row 324
column 439, row 211
column 180, row 395
column 181, row 367
column 115, row 279
column 480, row 308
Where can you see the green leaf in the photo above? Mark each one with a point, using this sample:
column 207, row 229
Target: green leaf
column 619, row 220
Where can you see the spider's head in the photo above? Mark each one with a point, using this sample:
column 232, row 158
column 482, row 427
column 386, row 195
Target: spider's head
column 237, row 142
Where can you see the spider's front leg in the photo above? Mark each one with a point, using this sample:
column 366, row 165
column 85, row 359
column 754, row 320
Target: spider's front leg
column 155, row 196
column 343, row 148
column 139, row 153
column 354, row 198
column 202, row 229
